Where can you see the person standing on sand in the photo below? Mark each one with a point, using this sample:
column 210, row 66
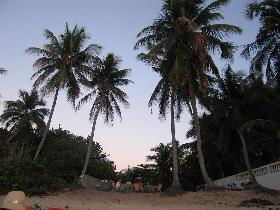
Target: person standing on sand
column 113, row 186
column 118, row 186
column 14, row 201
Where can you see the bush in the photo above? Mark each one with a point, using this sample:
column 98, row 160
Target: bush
column 28, row 176
column 60, row 164
column 64, row 156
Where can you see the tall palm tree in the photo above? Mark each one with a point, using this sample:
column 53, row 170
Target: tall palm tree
column 186, row 34
column 264, row 52
column 168, row 93
column 63, row 63
column 24, row 114
column 229, row 105
column 105, row 81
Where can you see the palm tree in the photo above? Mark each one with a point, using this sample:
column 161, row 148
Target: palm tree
column 264, row 52
column 163, row 163
column 105, row 81
column 229, row 103
column 185, row 34
column 63, row 63
column 168, row 93
column 229, row 108
column 24, row 114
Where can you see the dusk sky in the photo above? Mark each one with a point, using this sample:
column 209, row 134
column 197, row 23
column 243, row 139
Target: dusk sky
column 114, row 25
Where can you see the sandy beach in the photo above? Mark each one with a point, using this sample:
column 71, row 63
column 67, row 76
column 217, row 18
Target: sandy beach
column 93, row 200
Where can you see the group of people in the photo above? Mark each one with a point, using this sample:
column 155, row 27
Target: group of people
column 135, row 187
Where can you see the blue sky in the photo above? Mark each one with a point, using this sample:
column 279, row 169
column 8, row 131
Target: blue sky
column 114, row 25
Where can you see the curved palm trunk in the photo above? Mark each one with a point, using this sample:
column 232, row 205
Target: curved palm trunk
column 47, row 127
column 175, row 182
column 89, row 146
column 209, row 183
column 247, row 160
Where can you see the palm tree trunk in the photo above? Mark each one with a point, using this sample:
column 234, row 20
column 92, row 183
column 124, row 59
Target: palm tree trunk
column 21, row 150
column 247, row 160
column 175, row 182
column 47, row 127
column 89, row 146
column 190, row 108
column 209, row 183
column 11, row 137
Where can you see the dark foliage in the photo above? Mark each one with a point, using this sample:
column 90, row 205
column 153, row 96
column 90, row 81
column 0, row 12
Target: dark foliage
column 248, row 103
column 29, row 176
column 60, row 164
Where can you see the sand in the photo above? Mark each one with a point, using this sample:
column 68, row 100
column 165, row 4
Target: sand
column 93, row 200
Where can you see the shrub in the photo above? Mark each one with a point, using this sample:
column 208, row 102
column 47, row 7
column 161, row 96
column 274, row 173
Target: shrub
column 28, row 176
column 64, row 156
column 60, row 164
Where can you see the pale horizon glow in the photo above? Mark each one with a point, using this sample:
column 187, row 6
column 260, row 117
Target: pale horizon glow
column 114, row 25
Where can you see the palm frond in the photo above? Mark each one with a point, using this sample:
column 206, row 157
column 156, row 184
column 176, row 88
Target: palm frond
column 27, row 110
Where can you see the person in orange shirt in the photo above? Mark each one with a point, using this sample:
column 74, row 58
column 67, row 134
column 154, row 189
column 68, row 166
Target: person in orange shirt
column 136, row 187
